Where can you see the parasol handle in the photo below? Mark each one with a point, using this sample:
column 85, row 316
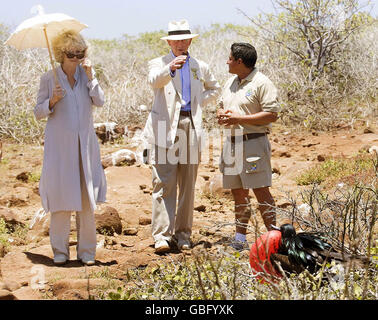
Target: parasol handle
column 51, row 59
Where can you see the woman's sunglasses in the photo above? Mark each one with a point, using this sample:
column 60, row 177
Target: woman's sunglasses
column 71, row 55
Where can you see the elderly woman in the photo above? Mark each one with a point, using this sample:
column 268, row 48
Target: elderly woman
column 72, row 175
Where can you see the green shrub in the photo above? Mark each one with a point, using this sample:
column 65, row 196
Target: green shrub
column 333, row 169
column 34, row 176
column 4, row 235
column 226, row 276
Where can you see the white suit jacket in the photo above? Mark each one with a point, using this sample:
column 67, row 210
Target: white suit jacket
column 165, row 112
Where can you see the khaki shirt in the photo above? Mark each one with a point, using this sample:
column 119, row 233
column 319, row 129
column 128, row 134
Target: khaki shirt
column 251, row 95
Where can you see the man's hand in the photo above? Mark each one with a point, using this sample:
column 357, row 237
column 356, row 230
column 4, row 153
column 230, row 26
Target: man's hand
column 177, row 63
column 228, row 117
column 58, row 94
column 220, row 113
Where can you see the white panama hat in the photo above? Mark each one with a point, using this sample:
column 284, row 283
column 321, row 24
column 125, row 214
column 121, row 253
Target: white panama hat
column 179, row 30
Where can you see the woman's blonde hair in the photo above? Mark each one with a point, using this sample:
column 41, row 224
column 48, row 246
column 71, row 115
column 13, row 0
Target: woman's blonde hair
column 67, row 41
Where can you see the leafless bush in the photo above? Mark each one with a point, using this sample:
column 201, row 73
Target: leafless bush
column 121, row 66
column 347, row 216
column 320, row 51
column 19, row 78
column 123, row 75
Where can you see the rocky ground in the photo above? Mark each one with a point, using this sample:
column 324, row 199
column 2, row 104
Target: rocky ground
column 26, row 267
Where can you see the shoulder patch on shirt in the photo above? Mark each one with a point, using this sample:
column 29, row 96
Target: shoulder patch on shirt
column 249, row 93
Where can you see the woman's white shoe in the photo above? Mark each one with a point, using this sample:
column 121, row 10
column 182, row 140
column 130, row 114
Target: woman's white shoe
column 60, row 260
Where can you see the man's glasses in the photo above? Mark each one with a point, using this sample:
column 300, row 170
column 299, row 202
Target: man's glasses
column 71, row 55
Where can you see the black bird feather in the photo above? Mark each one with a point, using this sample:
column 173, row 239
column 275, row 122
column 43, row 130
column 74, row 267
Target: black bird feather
column 306, row 250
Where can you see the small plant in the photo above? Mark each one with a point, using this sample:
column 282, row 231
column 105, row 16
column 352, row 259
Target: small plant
column 15, row 235
column 4, row 161
column 204, row 277
column 4, row 235
column 103, row 273
column 34, row 176
column 335, row 169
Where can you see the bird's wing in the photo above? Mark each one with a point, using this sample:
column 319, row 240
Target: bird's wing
column 285, row 263
column 314, row 241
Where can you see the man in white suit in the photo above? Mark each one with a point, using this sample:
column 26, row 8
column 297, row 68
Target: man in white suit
column 182, row 86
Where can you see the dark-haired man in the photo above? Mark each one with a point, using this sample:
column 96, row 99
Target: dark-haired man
column 248, row 106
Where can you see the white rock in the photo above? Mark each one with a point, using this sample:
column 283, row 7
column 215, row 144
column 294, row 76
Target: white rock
column 143, row 107
column 373, row 149
column 108, row 125
column 100, row 244
column 305, row 208
column 123, row 155
column 38, row 216
column 275, row 176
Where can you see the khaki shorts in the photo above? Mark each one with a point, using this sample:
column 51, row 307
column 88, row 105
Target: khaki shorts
column 246, row 164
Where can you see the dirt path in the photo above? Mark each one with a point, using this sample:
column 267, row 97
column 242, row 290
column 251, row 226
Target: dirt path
column 29, row 263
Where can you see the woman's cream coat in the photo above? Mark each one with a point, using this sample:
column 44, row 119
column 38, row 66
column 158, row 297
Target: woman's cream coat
column 70, row 127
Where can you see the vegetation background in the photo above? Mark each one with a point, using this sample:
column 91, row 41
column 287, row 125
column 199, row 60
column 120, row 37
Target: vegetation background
column 322, row 56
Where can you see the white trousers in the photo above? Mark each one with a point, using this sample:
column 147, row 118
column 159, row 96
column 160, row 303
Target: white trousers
column 60, row 225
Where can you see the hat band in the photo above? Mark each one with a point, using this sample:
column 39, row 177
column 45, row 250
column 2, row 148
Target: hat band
column 173, row 33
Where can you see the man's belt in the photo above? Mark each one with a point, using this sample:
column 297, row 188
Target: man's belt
column 249, row 136
column 185, row 113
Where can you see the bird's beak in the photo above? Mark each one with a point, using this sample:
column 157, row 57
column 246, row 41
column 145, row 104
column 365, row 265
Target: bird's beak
column 275, row 227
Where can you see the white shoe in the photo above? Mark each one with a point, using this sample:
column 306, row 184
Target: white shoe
column 89, row 262
column 161, row 246
column 184, row 245
column 60, row 259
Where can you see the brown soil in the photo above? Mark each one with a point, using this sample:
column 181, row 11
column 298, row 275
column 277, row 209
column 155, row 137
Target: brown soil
column 129, row 188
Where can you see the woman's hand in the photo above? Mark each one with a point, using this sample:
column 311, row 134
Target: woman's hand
column 87, row 66
column 58, row 94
